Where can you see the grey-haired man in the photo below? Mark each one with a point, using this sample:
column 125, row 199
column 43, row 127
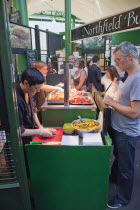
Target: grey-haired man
column 125, row 123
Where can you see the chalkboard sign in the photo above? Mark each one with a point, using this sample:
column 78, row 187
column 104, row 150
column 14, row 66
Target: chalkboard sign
column 32, row 57
column 15, row 17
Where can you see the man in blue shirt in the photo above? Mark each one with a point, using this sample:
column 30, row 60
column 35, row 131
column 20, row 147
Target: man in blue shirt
column 125, row 123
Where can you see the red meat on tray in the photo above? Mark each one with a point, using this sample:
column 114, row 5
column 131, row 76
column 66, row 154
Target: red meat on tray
column 81, row 100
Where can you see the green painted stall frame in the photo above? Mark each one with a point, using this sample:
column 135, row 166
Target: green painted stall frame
column 69, row 177
column 57, row 117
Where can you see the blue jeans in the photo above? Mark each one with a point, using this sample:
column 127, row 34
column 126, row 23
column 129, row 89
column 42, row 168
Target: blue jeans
column 123, row 166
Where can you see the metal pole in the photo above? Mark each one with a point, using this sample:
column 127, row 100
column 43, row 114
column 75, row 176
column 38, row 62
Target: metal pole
column 47, row 43
column 66, row 84
column 37, row 41
column 21, row 6
column 67, row 28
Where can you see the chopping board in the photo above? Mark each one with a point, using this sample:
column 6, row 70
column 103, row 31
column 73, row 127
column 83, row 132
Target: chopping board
column 56, row 138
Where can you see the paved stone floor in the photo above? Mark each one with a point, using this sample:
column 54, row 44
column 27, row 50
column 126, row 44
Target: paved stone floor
column 135, row 201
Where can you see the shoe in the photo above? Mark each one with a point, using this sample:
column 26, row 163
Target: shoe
column 114, row 204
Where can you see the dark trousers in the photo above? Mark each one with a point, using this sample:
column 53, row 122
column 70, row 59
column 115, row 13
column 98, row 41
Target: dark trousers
column 123, row 166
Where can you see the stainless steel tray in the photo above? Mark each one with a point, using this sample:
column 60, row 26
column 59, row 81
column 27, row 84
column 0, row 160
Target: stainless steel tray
column 61, row 101
column 87, row 94
column 54, row 101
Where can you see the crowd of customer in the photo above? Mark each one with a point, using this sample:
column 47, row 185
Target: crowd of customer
column 36, row 76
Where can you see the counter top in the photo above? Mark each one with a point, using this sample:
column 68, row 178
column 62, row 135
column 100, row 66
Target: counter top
column 49, row 106
column 59, row 104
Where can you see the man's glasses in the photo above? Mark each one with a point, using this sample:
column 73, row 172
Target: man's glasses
column 117, row 60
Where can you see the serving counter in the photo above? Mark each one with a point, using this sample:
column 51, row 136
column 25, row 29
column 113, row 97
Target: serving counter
column 69, row 177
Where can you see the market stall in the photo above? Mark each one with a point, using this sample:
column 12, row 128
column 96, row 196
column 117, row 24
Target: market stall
column 63, row 177
column 68, row 172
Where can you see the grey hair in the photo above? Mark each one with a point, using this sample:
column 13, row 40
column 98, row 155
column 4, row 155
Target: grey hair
column 127, row 48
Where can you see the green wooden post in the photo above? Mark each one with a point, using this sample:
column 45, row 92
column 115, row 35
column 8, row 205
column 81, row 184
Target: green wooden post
column 14, row 194
column 21, row 6
column 67, row 27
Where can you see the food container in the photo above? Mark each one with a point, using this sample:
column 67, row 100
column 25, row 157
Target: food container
column 55, row 97
column 85, row 99
column 81, row 131
column 69, row 132
column 68, row 128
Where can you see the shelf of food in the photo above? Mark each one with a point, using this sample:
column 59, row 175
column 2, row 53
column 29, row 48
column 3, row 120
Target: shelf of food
column 76, row 99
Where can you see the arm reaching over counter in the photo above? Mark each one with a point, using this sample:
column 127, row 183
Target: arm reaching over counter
column 40, row 131
column 49, row 88
column 45, row 89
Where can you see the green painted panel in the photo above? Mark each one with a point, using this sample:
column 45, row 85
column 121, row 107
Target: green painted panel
column 69, row 177
column 21, row 63
column 10, row 199
column 130, row 36
column 57, row 117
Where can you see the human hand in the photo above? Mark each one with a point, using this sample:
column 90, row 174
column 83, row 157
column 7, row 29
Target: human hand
column 45, row 132
column 60, row 89
column 52, row 130
column 108, row 100
column 40, row 127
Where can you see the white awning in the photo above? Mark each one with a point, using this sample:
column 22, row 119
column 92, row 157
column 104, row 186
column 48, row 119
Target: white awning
column 86, row 10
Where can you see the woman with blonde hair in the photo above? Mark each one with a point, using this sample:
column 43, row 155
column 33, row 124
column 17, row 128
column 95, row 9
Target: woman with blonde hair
column 41, row 66
column 80, row 77
column 41, row 96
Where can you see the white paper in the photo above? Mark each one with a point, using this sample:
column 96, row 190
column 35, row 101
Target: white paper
column 92, row 139
column 70, row 140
